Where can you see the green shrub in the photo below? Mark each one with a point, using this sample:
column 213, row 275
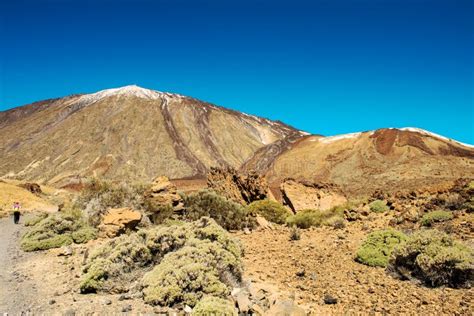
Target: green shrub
column 435, row 258
column 376, row 249
column 57, row 230
column 188, row 274
column 471, row 185
column 378, row 206
column 110, row 267
column 308, row 218
column 436, row 216
column 214, row 306
column 45, row 241
column 35, row 220
column 190, row 260
column 84, row 234
column 226, row 213
column 271, row 210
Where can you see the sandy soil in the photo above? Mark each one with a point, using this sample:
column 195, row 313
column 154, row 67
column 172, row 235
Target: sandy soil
column 47, row 283
column 321, row 263
column 306, row 270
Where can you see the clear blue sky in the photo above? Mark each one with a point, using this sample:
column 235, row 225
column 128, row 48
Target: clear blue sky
column 327, row 67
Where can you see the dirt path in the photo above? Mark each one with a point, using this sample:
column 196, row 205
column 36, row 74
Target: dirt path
column 17, row 292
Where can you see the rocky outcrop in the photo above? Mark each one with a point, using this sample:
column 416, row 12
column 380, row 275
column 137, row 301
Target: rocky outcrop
column 163, row 193
column 241, row 188
column 300, row 195
column 117, row 221
column 32, row 187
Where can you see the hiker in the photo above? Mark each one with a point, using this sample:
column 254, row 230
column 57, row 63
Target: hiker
column 16, row 212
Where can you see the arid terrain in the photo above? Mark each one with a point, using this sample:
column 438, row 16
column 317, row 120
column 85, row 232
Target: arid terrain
column 142, row 202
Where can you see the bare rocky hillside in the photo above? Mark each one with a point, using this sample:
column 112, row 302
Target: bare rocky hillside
column 388, row 159
column 128, row 133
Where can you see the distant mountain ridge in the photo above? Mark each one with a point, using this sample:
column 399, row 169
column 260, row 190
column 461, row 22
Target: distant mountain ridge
column 393, row 159
column 132, row 133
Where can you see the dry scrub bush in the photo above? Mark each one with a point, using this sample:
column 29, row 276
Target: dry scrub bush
column 57, row 230
column 308, row 218
column 110, row 267
column 271, row 210
column 190, row 260
column 375, row 251
column 436, row 216
column 378, row 206
column 226, row 213
column 100, row 195
column 435, row 258
column 36, row 219
column 295, row 233
column 211, row 305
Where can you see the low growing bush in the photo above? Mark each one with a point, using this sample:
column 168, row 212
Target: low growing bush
column 308, row 218
column 378, row 206
column 375, row 251
column 189, row 260
column 271, row 210
column 436, row 216
column 36, row 219
column 226, row 213
column 211, row 305
column 57, row 230
column 435, row 258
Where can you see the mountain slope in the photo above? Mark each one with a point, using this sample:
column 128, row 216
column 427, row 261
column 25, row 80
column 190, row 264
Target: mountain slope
column 128, row 133
column 392, row 159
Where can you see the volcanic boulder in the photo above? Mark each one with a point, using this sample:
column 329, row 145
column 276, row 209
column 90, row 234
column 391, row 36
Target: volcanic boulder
column 163, row 193
column 117, row 220
column 301, row 195
column 241, row 188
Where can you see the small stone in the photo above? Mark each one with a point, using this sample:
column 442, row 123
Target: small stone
column 243, row 302
column 301, row 273
column 51, row 302
column 124, row 297
column 188, row 309
column 246, row 231
column 70, row 312
column 106, row 301
column 257, row 310
column 65, row 251
column 329, row 299
column 371, row 290
column 127, row 308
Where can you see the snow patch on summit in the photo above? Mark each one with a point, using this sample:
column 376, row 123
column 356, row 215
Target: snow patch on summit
column 331, row 139
column 131, row 90
column 428, row 133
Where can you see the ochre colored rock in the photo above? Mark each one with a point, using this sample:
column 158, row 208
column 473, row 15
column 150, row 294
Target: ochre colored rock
column 304, row 195
column 117, row 220
column 162, row 193
column 239, row 187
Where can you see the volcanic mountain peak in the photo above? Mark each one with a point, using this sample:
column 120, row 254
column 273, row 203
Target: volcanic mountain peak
column 130, row 90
